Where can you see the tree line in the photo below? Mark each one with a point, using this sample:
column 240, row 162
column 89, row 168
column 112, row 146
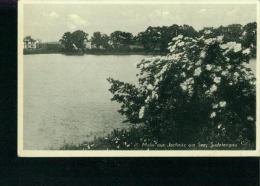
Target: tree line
column 155, row 38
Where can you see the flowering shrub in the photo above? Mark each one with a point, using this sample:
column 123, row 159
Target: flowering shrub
column 201, row 91
column 134, row 138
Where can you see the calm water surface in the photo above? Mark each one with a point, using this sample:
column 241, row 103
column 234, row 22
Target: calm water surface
column 66, row 98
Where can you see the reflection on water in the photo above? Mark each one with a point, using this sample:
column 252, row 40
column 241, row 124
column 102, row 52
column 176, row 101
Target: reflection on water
column 66, row 98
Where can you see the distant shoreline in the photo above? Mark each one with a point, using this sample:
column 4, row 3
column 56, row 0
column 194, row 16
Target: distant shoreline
column 34, row 52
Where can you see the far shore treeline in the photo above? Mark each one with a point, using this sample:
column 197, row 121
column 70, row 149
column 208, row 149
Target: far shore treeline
column 154, row 40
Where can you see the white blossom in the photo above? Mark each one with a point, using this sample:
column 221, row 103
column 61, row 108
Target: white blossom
column 244, row 64
column 183, row 86
column 197, row 71
column 252, row 82
column 217, row 80
column 176, row 56
column 213, row 114
column 214, row 106
column 218, row 69
column 236, row 75
column 199, row 62
column 161, row 72
column 209, row 41
column 141, row 112
column 222, row 103
column 183, row 74
column 250, row 118
column 149, row 87
column 213, row 88
column 237, row 47
column 227, row 59
column 172, row 48
column 189, row 81
column 224, row 73
column 228, row 66
column 231, row 46
column 208, row 67
column 154, row 95
column 220, row 38
column 187, row 84
column 147, row 99
column 177, row 38
column 219, row 126
column 207, row 32
column 202, row 54
column 246, row 51
column 181, row 44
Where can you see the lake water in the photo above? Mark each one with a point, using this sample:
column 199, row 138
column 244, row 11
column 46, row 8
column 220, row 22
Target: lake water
column 66, row 98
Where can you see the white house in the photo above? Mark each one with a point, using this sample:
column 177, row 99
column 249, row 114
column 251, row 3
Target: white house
column 30, row 43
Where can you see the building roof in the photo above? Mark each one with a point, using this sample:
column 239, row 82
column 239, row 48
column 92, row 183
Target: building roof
column 29, row 38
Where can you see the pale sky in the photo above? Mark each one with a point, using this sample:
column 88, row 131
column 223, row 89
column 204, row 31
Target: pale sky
column 48, row 22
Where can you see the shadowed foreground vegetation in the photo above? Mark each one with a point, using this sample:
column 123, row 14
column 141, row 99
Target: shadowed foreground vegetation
column 139, row 138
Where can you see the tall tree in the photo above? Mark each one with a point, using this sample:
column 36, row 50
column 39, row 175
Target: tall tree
column 79, row 38
column 96, row 40
column 159, row 37
column 188, row 31
column 66, row 41
column 231, row 32
column 105, row 41
column 150, row 38
column 74, row 41
column 121, row 39
column 99, row 40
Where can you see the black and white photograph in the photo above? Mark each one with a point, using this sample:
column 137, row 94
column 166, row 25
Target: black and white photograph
column 137, row 78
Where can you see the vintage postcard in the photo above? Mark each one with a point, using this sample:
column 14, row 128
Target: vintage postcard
column 138, row 78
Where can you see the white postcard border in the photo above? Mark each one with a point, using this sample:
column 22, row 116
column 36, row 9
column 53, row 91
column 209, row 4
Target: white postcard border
column 129, row 153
